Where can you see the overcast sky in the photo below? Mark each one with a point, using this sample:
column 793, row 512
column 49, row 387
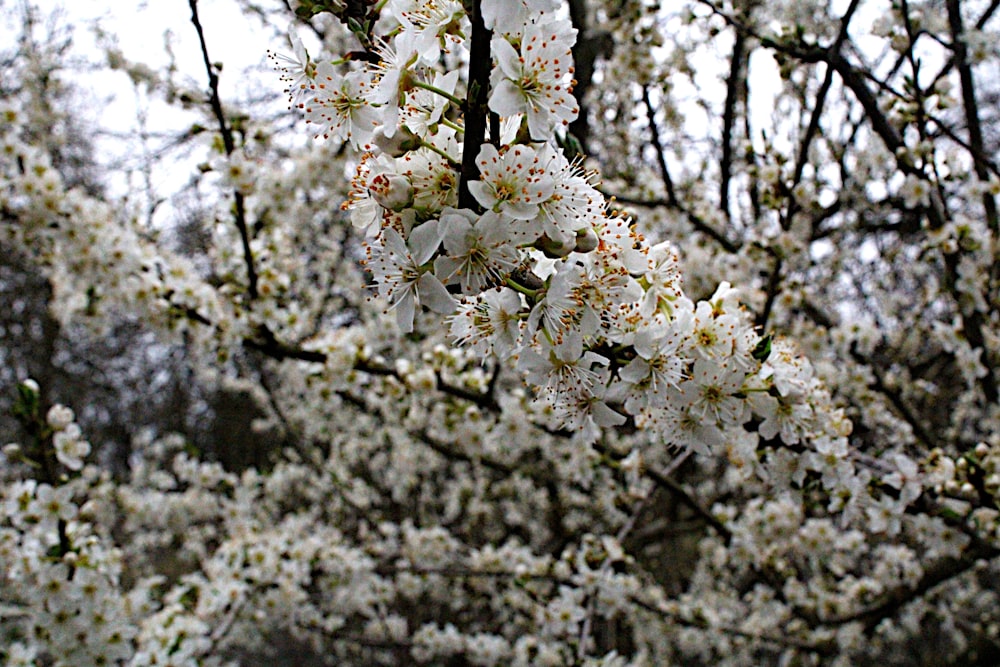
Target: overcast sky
column 142, row 30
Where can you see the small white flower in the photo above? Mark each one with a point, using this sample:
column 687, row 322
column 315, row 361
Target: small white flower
column 574, row 205
column 710, row 393
column 509, row 16
column 478, row 254
column 59, row 417
column 435, row 180
column 650, row 378
column 399, row 269
column 70, row 447
column 338, row 106
column 585, row 411
column 916, row 192
column 782, row 417
column 512, row 184
column 424, row 108
column 564, row 367
column 391, row 191
column 238, row 172
column 55, row 503
column 536, row 81
column 19, row 655
column 393, row 77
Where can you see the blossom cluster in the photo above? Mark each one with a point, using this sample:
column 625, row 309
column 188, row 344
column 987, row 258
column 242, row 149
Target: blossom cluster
column 496, row 479
column 536, row 264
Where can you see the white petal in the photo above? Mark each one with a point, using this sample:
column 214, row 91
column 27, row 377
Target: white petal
column 605, row 416
column 483, row 194
column 507, row 58
column 404, row 312
column 434, row 295
column 424, row 241
column 507, row 99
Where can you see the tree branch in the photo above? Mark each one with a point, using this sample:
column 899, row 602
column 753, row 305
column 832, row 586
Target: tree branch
column 668, row 183
column 230, row 145
column 938, row 573
column 476, row 104
column 737, row 71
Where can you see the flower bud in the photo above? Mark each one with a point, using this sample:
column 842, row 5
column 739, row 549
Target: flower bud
column 59, row 417
column 400, row 143
column 586, row 240
column 555, row 249
column 391, row 191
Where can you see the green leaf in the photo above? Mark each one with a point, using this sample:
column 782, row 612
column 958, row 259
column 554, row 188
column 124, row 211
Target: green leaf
column 26, row 405
column 763, row 349
column 570, row 145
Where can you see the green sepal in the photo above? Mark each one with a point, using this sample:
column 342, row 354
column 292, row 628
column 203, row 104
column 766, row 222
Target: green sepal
column 763, row 349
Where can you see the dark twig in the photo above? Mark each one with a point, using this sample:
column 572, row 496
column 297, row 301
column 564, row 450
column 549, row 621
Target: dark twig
column 672, row 200
column 972, row 120
column 896, row 399
column 230, row 145
column 938, row 573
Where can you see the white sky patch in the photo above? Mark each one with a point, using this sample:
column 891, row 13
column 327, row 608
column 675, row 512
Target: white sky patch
column 763, row 70
column 161, row 35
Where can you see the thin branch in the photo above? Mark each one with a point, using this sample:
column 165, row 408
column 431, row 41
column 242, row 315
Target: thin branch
column 972, row 320
column 688, row 499
column 654, row 131
column 972, row 120
column 940, row 572
column 672, row 200
column 980, row 158
column 270, row 346
column 230, row 145
column 663, row 480
column 589, row 46
column 822, row 647
column 896, row 399
column 950, row 64
column 814, row 120
column 772, row 290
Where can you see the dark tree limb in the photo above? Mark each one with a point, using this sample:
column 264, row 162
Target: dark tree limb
column 590, row 45
column 476, row 104
column 938, row 573
column 972, row 120
column 230, row 145
column 734, row 89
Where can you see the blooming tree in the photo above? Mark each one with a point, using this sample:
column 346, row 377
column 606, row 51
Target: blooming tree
column 577, row 356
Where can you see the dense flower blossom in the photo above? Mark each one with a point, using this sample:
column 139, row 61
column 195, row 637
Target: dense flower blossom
column 392, row 78
column 489, row 321
column 477, row 254
column 296, row 69
column 577, row 457
column 509, row 17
